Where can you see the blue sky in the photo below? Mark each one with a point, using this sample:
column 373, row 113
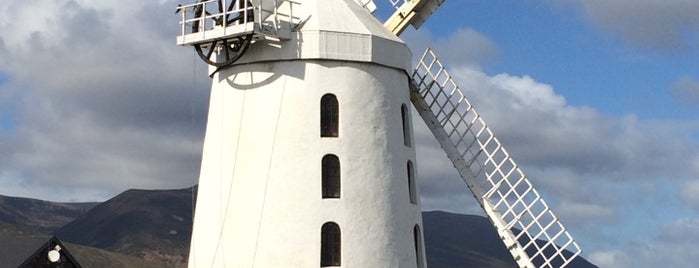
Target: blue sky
column 588, row 65
column 597, row 100
column 642, row 85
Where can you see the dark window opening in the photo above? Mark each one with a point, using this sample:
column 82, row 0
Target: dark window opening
column 330, row 174
column 329, row 116
column 411, row 183
column 330, row 245
column 406, row 124
column 418, row 246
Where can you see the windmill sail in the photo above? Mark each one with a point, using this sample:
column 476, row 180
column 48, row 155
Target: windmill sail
column 530, row 230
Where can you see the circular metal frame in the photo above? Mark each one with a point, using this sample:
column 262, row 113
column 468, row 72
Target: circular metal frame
column 227, row 50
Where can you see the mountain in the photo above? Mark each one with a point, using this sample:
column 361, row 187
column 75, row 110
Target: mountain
column 151, row 224
column 454, row 241
column 152, row 228
column 460, row 241
column 37, row 216
column 14, row 250
column 26, row 224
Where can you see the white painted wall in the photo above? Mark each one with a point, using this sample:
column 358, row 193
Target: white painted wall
column 259, row 201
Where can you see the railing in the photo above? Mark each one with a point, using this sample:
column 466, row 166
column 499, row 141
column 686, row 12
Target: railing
column 279, row 17
column 220, row 19
column 205, row 15
column 396, row 3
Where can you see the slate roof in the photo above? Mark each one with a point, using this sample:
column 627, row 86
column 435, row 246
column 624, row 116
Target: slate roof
column 40, row 257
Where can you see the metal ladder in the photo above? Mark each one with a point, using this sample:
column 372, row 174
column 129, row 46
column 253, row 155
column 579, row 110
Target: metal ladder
column 530, row 230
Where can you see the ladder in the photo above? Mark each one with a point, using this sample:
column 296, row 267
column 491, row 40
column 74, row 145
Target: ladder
column 530, row 230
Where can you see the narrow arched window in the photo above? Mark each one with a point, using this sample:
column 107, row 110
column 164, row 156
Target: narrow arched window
column 417, row 237
column 330, row 176
column 406, row 124
column 411, row 183
column 330, row 245
column 329, row 116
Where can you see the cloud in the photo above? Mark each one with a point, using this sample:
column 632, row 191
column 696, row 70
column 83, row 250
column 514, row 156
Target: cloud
column 667, row 25
column 467, row 46
column 440, row 186
column 101, row 97
column 580, row 211
column 669, row 248
column 464, row 46
column 690, row 190
column 611, row 258
column 102, row 100
column 686, row 89
column 540, row 127
column 593, row 169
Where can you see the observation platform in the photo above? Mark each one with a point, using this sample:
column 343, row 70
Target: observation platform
column 206, row 22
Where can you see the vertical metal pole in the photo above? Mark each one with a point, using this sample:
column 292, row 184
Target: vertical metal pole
column 202, row 20
column 224, row 15
column 183, row 21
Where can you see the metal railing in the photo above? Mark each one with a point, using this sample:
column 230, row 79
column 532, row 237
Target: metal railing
column 205, row 15
column 220, row 19
column 396, row 3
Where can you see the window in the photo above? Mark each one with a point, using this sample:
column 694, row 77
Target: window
column 329, row 114
column 330, row 245
column 330, row 176
column 417, row 237
column 406, row 124
column 411, row 183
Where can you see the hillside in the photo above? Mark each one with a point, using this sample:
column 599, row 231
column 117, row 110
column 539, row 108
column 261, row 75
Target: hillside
column 454, row 241
column 152, row 228
column 461, row 241
column 15, row 249
column 38, row 216
column 151, row 224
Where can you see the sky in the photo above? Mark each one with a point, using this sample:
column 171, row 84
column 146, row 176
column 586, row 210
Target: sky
column 598, row 101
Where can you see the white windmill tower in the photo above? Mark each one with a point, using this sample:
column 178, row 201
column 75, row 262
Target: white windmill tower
column 308, row 156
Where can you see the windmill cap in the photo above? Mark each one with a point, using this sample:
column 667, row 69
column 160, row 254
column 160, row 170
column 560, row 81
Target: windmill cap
column 334, row 30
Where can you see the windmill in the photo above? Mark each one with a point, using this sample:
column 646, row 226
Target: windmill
column 309, row 155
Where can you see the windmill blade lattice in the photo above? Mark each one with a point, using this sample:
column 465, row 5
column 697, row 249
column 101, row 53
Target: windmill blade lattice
column 530, row 230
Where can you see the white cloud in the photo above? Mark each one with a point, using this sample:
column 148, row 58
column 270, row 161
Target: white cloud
column 669, row 246
column 464, row 46
column 440, row 186
column 686, row 89
column 573, row 212
column 612, row 258
column 541, row 130
column 103, row 99
column 467, row 46
column 590, row 167
column 668, row 24
column 672, row 245
column 690, row 193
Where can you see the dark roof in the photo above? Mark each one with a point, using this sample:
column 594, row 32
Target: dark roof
column 40, row 257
